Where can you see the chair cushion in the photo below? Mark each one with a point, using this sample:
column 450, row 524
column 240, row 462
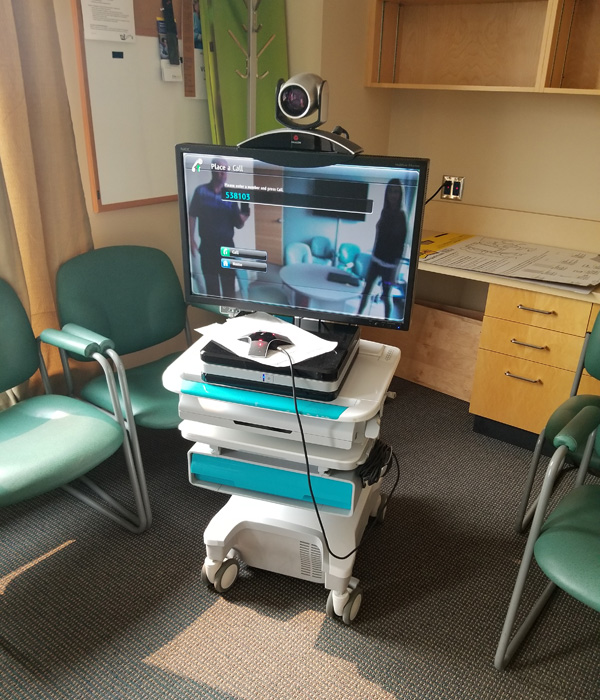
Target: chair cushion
column 568, row 548
column 563, row 414
column 153, row 406
column 48, row 441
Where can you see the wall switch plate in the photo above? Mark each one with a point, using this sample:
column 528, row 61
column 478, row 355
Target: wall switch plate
column 452, row 187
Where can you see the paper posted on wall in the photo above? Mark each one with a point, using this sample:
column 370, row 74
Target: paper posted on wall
column 498, row 256
column 108, row 20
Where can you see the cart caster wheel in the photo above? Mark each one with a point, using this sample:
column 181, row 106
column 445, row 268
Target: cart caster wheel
column 226, row 575
column 352, row 606
column 329, row 611
column 204, row 576
column 382, row 510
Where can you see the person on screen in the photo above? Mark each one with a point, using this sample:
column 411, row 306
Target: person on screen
column 217, row 220
column 387, row 252
column 197, row 26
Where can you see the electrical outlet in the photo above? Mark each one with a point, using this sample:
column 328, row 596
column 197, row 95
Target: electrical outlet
column 452, row 187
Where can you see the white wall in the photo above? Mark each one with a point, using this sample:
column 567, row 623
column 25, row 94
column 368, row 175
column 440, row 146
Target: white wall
column 158, row 225
column 531, row 161
column 363, row 112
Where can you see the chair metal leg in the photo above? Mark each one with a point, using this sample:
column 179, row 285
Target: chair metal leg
column 526, row 625
column 131, row 429
column 140, row 520
column 134, row 522
column 524, row 516
column 506, row 648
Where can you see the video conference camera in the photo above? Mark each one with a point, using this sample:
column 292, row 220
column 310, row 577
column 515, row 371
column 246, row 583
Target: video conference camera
column 301, row 106
column 299, row 98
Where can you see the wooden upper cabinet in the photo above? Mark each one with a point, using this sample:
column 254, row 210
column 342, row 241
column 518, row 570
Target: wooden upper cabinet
column 517, row 45
column 574, row 60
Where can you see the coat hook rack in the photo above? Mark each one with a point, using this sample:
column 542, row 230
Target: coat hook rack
column 251, row 56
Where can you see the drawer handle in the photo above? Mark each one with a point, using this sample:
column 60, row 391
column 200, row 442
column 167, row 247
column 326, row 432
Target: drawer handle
column 523, row 379
column 535, row 311
column 529, row 345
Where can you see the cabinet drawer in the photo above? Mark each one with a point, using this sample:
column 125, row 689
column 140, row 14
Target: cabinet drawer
column 516, row 401
column 531, row 343
column 593, row 315
column 538, row 309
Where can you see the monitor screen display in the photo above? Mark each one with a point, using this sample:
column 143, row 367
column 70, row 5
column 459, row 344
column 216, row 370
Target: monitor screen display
column 311, row 235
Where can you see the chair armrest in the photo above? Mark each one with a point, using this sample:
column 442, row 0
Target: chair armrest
column 102, row 341
column 578, row 429
column 70, row 343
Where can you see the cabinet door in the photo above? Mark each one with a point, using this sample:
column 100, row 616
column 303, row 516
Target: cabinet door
column 575, row 51
column 518, row 45
column 458, row 44
column 538, row 309
column 517, row 392
column 530, row 343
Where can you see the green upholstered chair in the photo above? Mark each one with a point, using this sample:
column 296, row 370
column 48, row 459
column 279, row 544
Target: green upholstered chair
column 590, row 361
column 297, row 252
column 361, row 265
column 347, row 254
column 322, row 251
column 567, row 545
column 132, row 296
column 51, row 441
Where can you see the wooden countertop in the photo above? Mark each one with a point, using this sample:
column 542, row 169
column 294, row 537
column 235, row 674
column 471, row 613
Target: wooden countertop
column 591, row 297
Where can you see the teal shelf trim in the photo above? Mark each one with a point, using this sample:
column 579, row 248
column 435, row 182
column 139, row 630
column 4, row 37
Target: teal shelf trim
column 257, row 399
column 275, row 482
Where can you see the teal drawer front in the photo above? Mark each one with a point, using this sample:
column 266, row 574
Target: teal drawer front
column 275, row 482
column 273, row 402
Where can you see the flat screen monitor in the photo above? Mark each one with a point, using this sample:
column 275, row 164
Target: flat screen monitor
column 326, row 236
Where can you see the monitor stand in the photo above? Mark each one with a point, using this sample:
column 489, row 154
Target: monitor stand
column 319, row 378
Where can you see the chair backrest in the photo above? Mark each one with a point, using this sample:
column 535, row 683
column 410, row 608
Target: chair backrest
column 592, row 353
column 347, row 253
column 361, row 265
column 19, row 357
column 129, row 293
column 321, row 249
column 297, row 253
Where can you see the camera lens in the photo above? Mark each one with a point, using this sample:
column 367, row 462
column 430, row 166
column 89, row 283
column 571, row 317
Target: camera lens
column 294, row 101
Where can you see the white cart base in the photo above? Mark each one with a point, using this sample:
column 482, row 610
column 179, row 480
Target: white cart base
column 288, row 540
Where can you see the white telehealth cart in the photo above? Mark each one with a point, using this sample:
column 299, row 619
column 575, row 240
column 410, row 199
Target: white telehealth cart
column 249, row 444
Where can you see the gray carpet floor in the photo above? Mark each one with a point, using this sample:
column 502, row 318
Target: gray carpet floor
column 107, row 614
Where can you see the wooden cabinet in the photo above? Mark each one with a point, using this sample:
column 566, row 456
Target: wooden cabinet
column 518, row 45
column 589, row 385
column 528, row 354
column 439, row 351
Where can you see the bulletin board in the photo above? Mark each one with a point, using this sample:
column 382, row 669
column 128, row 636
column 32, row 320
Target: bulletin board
column 132, row 117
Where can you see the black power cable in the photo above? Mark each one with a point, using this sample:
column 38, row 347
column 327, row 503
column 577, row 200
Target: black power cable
column 370, row 472
column 439, row 189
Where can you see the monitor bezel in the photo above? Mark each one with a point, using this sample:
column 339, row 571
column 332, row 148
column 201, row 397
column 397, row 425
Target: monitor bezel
column 301, row 159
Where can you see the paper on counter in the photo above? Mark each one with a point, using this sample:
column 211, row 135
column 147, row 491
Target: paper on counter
column 228, row 334
column 514, row 259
